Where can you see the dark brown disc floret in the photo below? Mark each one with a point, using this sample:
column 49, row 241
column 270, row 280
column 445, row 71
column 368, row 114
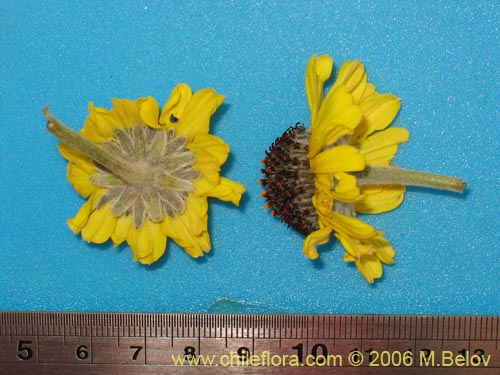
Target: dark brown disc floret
column 289, row 180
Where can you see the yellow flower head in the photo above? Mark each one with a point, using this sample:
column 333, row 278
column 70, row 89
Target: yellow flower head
column 318, row 178
column 147, row 174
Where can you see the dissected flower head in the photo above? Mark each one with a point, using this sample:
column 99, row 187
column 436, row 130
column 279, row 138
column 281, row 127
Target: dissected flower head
column 147, row 175
column 318, row 179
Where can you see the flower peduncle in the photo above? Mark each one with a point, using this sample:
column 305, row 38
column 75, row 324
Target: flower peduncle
column 133, row 173
column 376, row 175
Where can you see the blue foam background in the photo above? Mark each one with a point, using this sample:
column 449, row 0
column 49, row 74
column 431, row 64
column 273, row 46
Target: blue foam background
column 440, row 58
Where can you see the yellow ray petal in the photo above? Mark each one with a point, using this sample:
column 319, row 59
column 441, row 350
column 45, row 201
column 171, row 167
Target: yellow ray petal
column 123, row 226
column 100, row 225
column 379, row 110
column 353, row 246
column 369, row 90
column 349, row 258
column 228, row 191
column 197, row 214
column 370, row 267
column 324, row 66
column 179, row 229
column 153, row 257
column 323, row 182
column 132, row 237
column 352, row 75
column 150, row 244
column 209, row 170
column 318, row 237
column 346, row 189
column 80, row 180
column 325, row 136
column 196, row 116
column 150, row 110
column 378, row 199
column 318, row 71
column 358, row 248
column 322, row 202
column 380, row 148
column 128, row 112
column 204, row 241
column 175, row 105
column 338, row 159
column 212, row 145
column 204, row 185
column 350, row 226
column 80, row 220
column 205, row 161
column 338, row 108
column 99, row 125
column 383, row 249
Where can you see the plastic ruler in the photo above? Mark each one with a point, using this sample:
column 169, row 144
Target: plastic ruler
column 150, row 343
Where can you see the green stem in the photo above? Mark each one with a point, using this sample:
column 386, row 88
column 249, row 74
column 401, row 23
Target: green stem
column 374, row 175
column 130, row 172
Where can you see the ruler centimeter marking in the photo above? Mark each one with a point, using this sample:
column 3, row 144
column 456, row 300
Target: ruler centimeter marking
column 136, row 343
